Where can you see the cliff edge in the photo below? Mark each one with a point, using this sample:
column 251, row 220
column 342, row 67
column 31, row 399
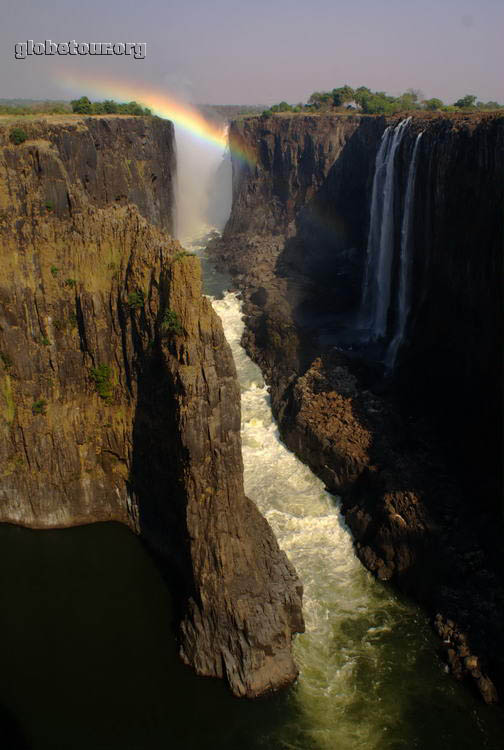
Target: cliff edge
column 118, row 389
column 398, row 447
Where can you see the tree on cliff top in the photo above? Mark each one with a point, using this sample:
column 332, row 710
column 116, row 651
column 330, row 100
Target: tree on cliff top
column 379, row 102
column 342, row 95
column 82, row 106
column 432, row 104
column 466, row 101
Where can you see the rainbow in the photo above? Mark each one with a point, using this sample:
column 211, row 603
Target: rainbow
column 160, row 104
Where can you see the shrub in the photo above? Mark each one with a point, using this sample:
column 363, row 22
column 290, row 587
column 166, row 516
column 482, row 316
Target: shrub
column 17, row 136
column 49, row 206
column 54, row 270
column 433, row 104
column 183, row 254
column 101, row 378
column 71, row 282
column 44, row 341
column 466, row 102
column 136, row 299
column 39, row 406
column 82, row 106
column 171, row 323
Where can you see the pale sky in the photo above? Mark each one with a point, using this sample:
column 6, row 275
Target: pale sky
column 263, row 51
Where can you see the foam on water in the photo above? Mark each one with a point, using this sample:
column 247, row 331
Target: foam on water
column 367, row 662
column 309, row 527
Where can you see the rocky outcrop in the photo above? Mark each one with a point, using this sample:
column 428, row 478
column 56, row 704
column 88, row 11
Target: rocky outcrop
column 296, row 245
column 118, row 389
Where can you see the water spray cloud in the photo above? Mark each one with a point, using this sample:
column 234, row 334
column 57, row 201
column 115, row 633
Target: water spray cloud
column 161, row 104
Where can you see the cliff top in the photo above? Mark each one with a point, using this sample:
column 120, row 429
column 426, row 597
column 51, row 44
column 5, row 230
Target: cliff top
column 62, row 119
column 473, row 117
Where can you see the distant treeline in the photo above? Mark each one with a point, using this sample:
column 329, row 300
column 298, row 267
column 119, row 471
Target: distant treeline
column 84, row 106
column 370, row 102
column 32, row 107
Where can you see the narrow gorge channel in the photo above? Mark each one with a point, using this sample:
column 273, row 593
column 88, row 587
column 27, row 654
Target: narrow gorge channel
column 90, row 658
column 369, row 676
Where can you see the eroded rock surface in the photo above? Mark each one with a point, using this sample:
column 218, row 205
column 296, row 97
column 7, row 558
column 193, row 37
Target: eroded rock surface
column 398, row 452
column 118, row 389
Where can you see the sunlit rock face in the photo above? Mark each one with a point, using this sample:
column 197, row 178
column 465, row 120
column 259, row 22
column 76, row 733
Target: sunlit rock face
column 399, row 443
column 118, row 389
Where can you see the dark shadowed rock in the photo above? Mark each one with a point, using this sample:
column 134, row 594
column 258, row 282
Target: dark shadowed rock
column 118, row 389
column 416, row 458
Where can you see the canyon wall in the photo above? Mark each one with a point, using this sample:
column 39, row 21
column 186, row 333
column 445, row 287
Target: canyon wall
column 400, row 448
column 118, row 389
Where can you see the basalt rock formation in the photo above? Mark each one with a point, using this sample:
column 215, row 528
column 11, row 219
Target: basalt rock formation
column 399, row 448
column 118, row 389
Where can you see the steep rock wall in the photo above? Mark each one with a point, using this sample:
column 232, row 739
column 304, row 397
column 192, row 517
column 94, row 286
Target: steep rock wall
column 118, row 389
column 296, row 244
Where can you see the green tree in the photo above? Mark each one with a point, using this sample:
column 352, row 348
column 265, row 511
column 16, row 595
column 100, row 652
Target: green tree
column 110, row 107
column 17, row 136
column 320, row 99
column 432, row 104
column 465, row 102
column 82, row 106
column 360, row 94
column 284, row 107
column 408, row 100
column 342, row 95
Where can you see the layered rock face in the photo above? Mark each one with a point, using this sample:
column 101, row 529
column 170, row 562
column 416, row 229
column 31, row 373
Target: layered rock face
column 118, row 389
column 393, row 448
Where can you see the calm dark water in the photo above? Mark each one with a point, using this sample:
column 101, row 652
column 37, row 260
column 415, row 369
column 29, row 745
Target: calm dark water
column 89, row 659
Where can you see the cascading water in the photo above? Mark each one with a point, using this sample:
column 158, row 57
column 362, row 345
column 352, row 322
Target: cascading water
column 380, row 250
column 373, row 246
column 405, row 260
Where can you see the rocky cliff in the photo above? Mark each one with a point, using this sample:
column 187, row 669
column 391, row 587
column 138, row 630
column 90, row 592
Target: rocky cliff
column 118, row 390
column 397, row 447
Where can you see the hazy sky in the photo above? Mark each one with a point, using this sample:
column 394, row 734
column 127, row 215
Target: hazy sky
column 263, row 51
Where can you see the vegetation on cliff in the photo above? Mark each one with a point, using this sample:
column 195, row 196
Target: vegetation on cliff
column 118, row 391
column 85, row 106
column 81, row 106
column 369, row 102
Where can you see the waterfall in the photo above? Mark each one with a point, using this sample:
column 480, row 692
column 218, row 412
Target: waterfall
column 380, row 249
column 374, row 229
column 405, row 260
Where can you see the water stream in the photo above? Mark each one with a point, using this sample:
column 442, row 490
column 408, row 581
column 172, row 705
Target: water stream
column 89, row 659
column 370, row 677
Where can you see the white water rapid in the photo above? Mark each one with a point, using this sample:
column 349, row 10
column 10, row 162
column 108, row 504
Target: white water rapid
column 361, row 640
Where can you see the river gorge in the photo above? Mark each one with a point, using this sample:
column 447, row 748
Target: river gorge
column 96, row 619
